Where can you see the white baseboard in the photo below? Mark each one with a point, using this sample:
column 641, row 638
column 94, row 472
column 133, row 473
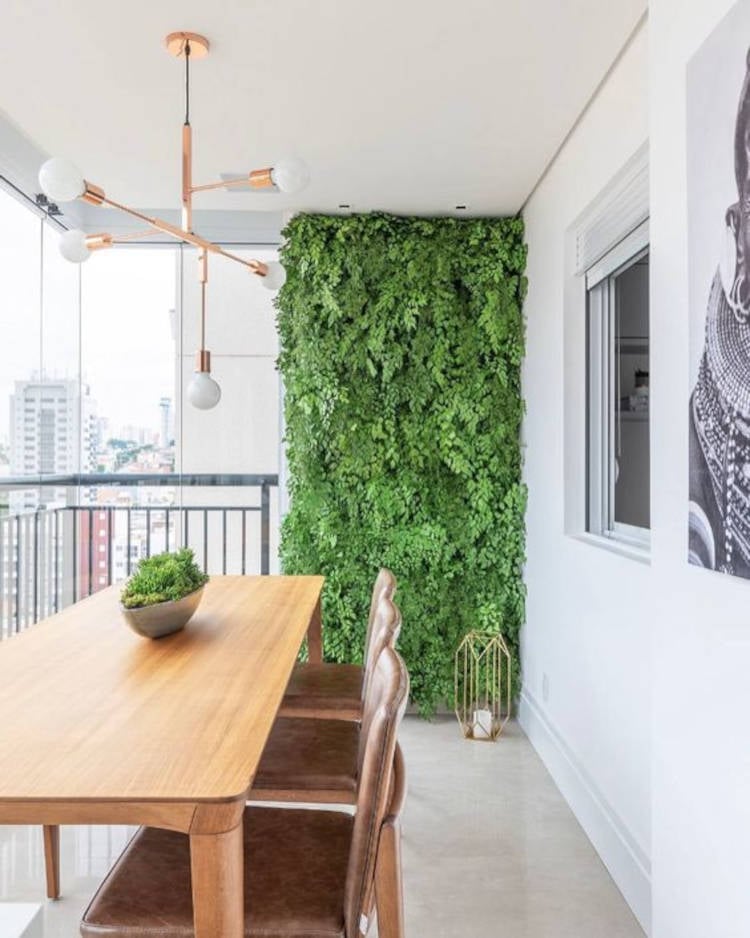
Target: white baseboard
column 621, row 854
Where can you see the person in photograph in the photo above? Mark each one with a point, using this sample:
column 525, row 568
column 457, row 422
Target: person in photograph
column 719, row 517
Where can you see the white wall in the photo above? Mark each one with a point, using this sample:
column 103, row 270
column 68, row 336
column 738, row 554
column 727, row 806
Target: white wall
column 700, row 623
column 586, row 647
column 644, row 722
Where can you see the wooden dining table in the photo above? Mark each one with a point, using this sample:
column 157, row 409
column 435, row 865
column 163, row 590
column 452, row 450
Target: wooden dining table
column 100, row 726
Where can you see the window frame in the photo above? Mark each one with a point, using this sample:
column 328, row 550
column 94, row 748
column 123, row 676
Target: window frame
column 602, row 391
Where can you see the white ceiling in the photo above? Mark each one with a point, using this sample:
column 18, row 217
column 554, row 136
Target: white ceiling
column 411, row 106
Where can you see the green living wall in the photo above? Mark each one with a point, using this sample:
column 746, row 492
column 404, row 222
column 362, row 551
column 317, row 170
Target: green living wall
column 401, row 349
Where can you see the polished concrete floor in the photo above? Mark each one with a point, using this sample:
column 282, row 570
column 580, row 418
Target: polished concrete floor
column 490, row 849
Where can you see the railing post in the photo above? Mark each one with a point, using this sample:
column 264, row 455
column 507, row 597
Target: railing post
column 265, row 529
column 68, row 547
column 36, row 568
column 19, row 573
column 56, row 551
column 90, row 539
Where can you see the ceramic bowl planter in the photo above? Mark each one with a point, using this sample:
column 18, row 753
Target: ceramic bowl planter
column 163, row 593
column 163, row 618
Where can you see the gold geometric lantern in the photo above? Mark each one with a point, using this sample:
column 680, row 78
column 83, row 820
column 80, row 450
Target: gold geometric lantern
column 482, row 680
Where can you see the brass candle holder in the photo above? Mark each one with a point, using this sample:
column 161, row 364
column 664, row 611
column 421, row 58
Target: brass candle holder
column 482, row 685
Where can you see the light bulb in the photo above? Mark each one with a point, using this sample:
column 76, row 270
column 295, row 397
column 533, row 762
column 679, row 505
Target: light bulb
column 61, row 180
column 275, row 277
column 290, row 175
column 202, row 391
column 73, row 246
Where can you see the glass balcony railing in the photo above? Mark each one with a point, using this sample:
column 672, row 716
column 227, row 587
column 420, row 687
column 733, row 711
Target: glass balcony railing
column 93, row 529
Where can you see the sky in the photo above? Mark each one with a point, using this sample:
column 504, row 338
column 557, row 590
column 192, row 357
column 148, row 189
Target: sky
column 120, row 339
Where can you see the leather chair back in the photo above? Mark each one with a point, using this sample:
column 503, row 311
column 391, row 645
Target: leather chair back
column 386, row 628
column 384, row 708
column 385, row 585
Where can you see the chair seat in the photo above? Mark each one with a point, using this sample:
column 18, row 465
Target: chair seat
column 324, row 690
column 295, row 871
column 309, row 756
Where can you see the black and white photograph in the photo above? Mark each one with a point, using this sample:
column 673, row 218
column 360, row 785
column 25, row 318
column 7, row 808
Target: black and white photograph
column 718, row 142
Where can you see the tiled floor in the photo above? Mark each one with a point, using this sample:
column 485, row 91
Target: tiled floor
column 490, row 849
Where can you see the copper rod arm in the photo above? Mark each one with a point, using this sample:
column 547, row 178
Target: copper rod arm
column 124, row 238
column 257, row 267
column 256, row 179
column 218, row 185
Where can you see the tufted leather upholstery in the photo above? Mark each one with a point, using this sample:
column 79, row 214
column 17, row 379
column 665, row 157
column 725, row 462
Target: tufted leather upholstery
column 385, row 585
column 336, row 691
column 386, row 628
column 308, row 873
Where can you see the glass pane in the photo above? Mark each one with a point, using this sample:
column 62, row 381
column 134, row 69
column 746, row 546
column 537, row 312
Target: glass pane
column 20, row 363
column 631, row 351
column 129, row 357
column 128, row 360
column 20, row 398
column 93, row 370
column 59, row 425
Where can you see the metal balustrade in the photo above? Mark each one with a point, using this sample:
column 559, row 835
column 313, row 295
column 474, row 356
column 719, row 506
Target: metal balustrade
column 54, row 555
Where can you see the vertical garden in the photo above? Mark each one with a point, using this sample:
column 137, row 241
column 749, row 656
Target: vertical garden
column 401, row 349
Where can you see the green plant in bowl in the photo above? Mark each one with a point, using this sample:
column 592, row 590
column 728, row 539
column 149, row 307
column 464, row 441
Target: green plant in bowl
column 163, row 593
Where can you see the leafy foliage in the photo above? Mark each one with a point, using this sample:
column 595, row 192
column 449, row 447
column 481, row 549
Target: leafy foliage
column 402, row 341
column 161, row 578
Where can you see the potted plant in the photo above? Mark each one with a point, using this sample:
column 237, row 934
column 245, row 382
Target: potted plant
column 163, row 593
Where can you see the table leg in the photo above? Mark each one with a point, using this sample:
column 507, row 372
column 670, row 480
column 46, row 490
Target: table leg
column 216, row 863
column 52, row 860
column 315, row 636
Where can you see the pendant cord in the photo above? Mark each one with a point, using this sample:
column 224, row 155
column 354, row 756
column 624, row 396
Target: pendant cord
column 187, row 81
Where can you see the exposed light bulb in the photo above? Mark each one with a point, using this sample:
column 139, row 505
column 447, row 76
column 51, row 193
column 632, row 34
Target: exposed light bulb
column 290, row 175
column 61, row 180
column 202, row 391
column 73, row 246
column 275, row 277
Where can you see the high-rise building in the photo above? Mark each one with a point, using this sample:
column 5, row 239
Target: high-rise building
column 166, row 428
column 53, row 430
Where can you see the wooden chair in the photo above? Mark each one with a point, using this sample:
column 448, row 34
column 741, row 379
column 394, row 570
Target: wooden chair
column 336, row 691
column 308, row 758
column 307, row 872
column 316, row 760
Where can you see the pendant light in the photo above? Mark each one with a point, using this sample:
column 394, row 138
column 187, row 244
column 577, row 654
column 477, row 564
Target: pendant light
column 202, row 391
column 62, row 181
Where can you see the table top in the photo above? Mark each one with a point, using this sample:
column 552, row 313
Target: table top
column 91, row 711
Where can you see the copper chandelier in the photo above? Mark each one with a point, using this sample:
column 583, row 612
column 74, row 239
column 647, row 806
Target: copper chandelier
column 61, row 181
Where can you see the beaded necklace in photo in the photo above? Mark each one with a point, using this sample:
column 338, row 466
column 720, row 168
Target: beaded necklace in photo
column 721, row 415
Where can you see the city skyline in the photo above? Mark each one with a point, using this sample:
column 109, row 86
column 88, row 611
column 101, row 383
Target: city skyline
column 158, row 432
